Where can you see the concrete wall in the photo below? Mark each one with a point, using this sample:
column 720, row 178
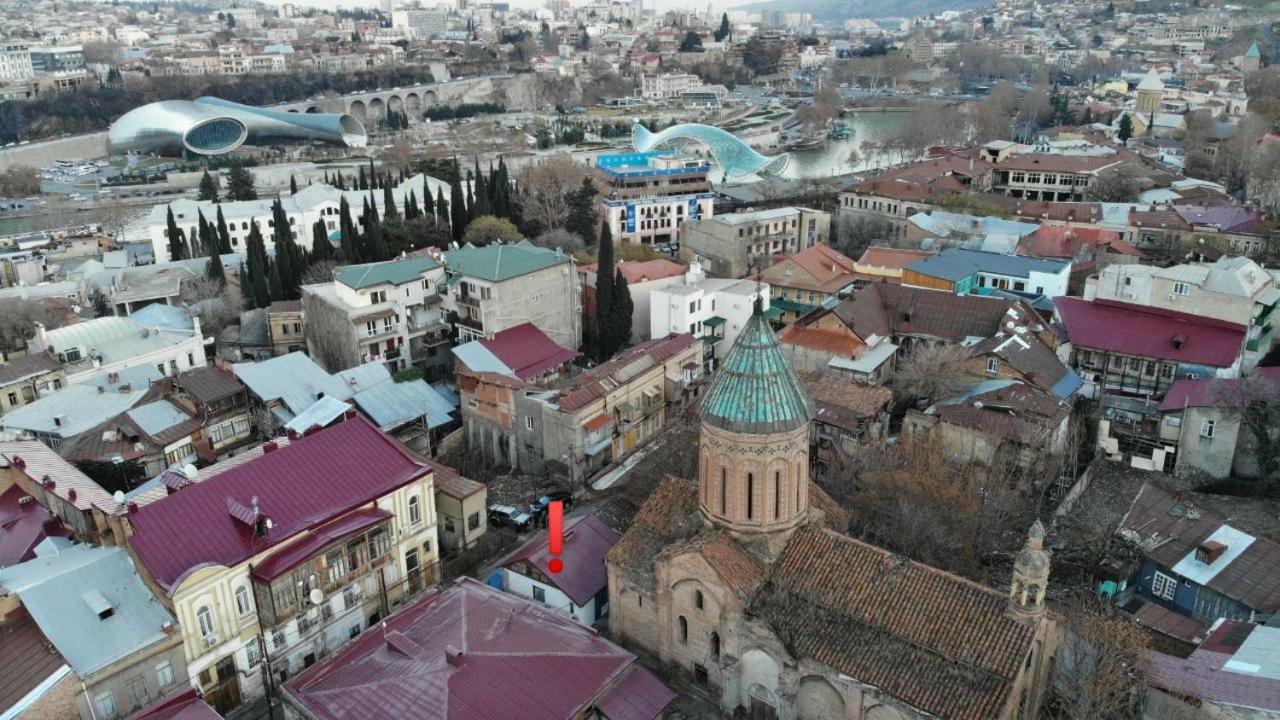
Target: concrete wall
column 518, row 584
column 43, row 154
column 1214, row 455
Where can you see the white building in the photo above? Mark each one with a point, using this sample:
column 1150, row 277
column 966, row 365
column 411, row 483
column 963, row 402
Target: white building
column 667, row 86
column 420, row 22
column 713, row 309
column 312, row 203
column 580, row 589
column 15, row 62
column 387, row 312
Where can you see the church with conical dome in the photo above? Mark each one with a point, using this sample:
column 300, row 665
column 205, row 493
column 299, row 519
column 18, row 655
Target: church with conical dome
column 744, row 584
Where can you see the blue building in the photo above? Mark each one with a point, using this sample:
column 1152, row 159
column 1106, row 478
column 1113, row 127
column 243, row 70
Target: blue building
column 1195, row 565
column 647, row 196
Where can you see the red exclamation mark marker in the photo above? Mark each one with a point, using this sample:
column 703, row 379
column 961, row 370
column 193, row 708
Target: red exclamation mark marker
column 555, row 534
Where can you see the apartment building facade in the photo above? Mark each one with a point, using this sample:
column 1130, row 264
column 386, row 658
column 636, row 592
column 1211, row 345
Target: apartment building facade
column 390, row 312
column 497, row 287
column 646, row 197
column 737, row 244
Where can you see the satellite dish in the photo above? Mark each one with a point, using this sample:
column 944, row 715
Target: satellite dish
column 316, row 596
column 118, row 497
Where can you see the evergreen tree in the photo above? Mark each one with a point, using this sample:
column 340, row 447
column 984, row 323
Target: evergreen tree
column 411, row 211
column 340, row 184
column 362, row 181
column 321, row 247
column 275, row 286
column 208, row 238
column 1126, row 128
column 1086, row 118
column 438, row 206
column 375, row 243
column 256, row 288
column 603, row 340
column 620, row 313
column 177, row 241
column 208, row 187
column 389, row 209
column 288, row 260
column 501, row 187
column 327, row 181
column 215, row 270
column 293, row 185
column 723, row 31
column 224, row 236
column 582, row 212
column 347, row 228
column 457, row 209
column 480, row 204
column 240, row 183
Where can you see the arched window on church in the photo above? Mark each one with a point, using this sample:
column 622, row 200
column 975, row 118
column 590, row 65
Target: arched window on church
column 715, row 645
column 684, row 630
column 724, row 491
column 697, row 599
column 751, row 496
column 777, row 494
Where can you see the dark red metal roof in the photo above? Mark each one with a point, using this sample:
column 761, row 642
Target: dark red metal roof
column 23, row 526
column 464, row 653
column 299, row 486
column 586, row 541
column 637, row 696
column 186, row 705
column 527, row 350
column 1150, row 332
column 313, row 541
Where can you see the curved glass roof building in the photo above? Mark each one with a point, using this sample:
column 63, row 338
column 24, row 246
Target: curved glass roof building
column 735, row 157
column 212, row 126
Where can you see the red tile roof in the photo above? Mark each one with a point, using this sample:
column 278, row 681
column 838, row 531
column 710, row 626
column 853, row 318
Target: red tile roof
column 830, row 269
column 528, row 351
column 448, row 481
column 887, row 257
column 822, row 339
column 638, row 271
column 1059, row 241
column 941, row 643
column 596, row 382
column 470, row 651
column 310, row 481
column 586, row 542
column 1150, row 332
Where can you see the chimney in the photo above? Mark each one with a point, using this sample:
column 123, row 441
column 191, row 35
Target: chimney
column 453, row 656
column 292, row 434
column 71, row 494
column 349, row 415
column 57, row 420
column 270, row 447
column 1208, row 552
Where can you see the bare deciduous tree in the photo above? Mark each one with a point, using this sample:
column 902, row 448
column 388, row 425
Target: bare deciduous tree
column 216, row 303
column 1101, row 664
column 931, row 372
column 18, row 319
column 546, row 187
column 560, row 238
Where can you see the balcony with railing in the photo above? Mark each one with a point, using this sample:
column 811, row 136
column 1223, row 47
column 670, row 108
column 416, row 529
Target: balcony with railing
column 331, row 559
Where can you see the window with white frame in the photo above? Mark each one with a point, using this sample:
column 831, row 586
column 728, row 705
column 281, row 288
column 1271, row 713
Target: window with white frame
column 1163, row 586
column 1207, row 427
column 106, row 704
column 415, row 510
column 1181, row 288
column 993, row 364
column 243, row 605
column 204, row 619
column 528, row 422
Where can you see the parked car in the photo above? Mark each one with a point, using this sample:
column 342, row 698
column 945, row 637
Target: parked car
column 500, row 515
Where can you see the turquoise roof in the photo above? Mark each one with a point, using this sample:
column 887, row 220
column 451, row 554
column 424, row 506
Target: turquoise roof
column 1253, row 51
column 755, row 390
column 502, row 262
column 395, row 272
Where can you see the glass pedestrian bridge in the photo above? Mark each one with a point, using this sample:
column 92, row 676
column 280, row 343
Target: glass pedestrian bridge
column 735, row 157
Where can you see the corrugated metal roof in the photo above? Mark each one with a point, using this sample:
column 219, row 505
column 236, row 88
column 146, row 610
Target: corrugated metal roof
column 502, row 262
column 755, row 389
column 71, row 410
column 65, row 594
column 155, row 417
column 395, row 272
column 392, row 404
column 321, row 413
column 294, row 378
column 307, row 482
column 466, row 651
column 586, row 542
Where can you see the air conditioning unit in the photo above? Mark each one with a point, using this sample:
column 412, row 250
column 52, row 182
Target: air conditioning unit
column 1173, row 296
column 210, row 640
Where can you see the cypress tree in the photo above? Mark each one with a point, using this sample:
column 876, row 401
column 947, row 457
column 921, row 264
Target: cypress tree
column 177, row 241
column 469, row 209
column 256, row 291
column 582, row 212
column 215, row 270
column 340, row 184
column 389, row 209
column 350, row 243
column 411, row 210
column 224, row 236
column 208, row 238
column 240, row 183
column 293, row 185
column 321, row 247
column 362, row 182
column 287, row 265
column 438, row 207
column 501, row 186
column 620, row 313
column 480, row 205
column 457, row 209
column 375, row 244
column 274, row 284
column 604, row 295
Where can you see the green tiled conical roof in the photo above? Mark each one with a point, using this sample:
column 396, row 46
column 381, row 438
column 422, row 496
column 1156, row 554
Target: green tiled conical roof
column 755, row 390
